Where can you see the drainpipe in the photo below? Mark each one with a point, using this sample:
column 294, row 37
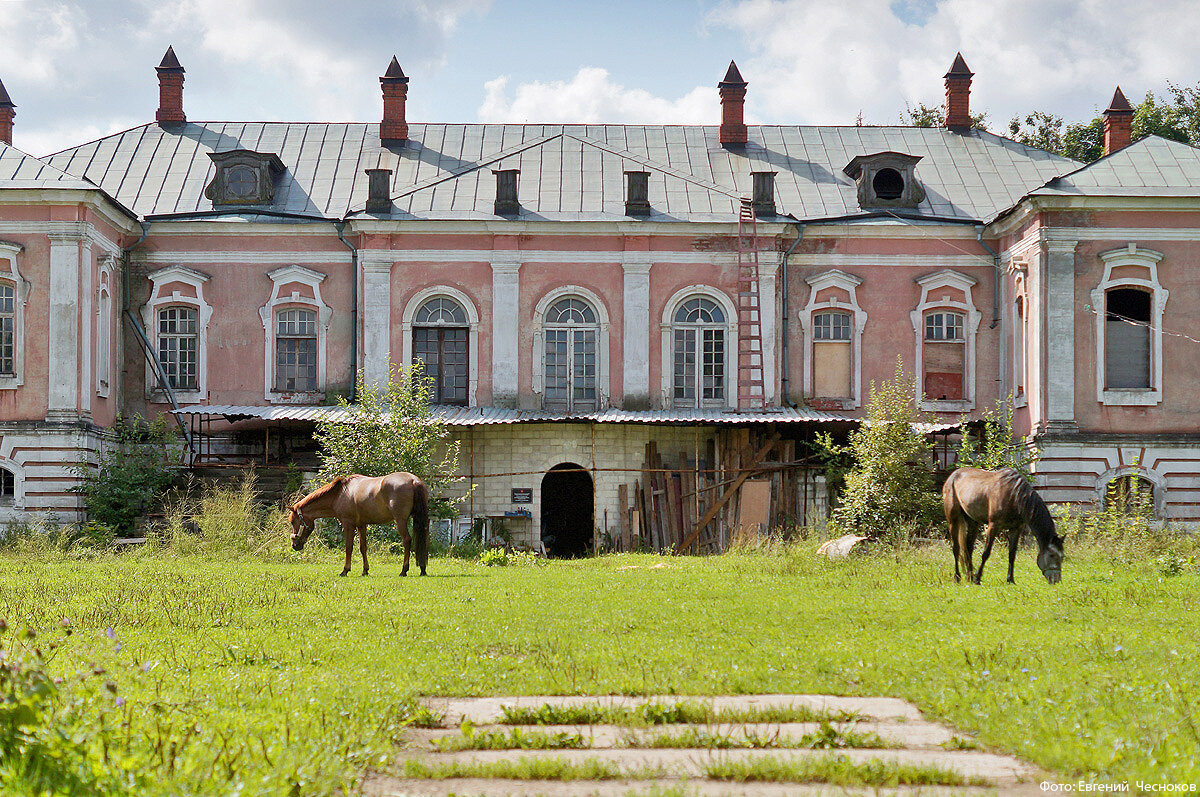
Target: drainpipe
column 340, row 226
column 783, row 328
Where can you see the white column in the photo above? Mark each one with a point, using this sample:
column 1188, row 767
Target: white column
column 767, row 312
column 636, row 342
column 63, row 348
column 1060, row 332
column 506, row 299
column 87, row 388
column 376, row 316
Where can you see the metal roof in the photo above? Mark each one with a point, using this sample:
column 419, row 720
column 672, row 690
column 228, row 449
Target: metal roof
column 21, row 170
column 484, row 416
column 568, row 172
column 1152, row 166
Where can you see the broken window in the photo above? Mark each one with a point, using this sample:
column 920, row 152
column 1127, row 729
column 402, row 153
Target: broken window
column 944, row 356
column 296, row 351
column 1127, row 338
column 8, row 330
column 178, row 346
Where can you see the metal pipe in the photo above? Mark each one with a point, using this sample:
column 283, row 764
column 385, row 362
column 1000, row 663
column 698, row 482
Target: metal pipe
column 995, row 277
column 340, row 226
column 783, row 328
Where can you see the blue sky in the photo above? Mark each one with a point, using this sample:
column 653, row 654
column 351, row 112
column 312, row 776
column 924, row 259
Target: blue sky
column 81, row 69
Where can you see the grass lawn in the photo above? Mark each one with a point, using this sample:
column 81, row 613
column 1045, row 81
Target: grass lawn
column 260, row 675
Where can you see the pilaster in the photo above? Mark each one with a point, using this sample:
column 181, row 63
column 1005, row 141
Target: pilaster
column 636, row 344
column 376, row 316
column 768, row 271
column 1060, row 333
column 506, row 297
column 63, row 345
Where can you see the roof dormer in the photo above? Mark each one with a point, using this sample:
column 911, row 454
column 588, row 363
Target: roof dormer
column 244, row 177
column 886, row 180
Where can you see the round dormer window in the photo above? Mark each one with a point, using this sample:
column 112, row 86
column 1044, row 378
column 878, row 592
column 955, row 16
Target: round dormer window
column 241, row 182
column 888, row 184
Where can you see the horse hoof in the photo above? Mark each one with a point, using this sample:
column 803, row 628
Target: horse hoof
column 365, row 573
column 343, row 573
column 423, row 572
column 403, row 573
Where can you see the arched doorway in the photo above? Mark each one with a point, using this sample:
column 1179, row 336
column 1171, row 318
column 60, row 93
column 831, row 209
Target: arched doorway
column 568, row 504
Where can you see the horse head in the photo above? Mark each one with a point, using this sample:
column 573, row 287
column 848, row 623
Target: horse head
column 301, row 527
column 1050, row 559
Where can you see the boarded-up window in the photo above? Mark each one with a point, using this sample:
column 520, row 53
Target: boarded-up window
column 1019, row 348
column 832, row 356
column 944, row 356
column 1127, row 339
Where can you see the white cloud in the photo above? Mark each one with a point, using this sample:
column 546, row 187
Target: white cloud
column 814, row 62
column 591, row 97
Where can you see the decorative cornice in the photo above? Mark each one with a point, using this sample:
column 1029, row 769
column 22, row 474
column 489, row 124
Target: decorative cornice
column 833, row 260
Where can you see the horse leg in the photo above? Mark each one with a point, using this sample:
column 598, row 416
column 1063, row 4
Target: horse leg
column 348, row 537
column 969, row 550
column 362, row 546
column 987, row 550
column 1014, row 537
column 956, row 524
column 402, row 527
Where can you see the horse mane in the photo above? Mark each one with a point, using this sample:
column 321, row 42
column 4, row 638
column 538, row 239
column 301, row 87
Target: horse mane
column 1033, row 508
column 323, row 491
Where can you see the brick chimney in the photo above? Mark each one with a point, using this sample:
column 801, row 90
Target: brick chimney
column 733, row 98
column 1118, row 123
column 170, row 91
column 394, row 126
column 958, row 95
column 7, row 112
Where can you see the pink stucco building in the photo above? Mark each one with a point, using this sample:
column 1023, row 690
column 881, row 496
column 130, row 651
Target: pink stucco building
column 580, row 290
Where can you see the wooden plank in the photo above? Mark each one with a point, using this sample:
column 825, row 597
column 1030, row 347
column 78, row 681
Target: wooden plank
column 622, row 518
column 674, row 510
column 724, row 499
column 754, row 511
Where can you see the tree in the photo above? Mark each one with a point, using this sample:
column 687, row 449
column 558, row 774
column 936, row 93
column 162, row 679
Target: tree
column 935, row 116
column 391, row 428
column 889, row 488
column 133, row 473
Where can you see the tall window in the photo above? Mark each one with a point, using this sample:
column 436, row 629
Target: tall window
column 440, row 341
column 832, row 356
column 8, row 487
column 944, row 357
column 1019, row 349
column 296, row 351
column 8, row 330
column 1127, row 338
column 698, row 360
column 103, row 338
column 178, row 335
column 571, row 332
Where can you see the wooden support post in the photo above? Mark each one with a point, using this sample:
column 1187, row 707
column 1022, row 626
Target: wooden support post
column 729, row 493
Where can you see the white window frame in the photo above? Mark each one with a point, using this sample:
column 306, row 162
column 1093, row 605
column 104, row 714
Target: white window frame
column 834, row 278
column 158, row 299
column 10, row 273
column 410, row 313
column 932, row 302
column 1131, row 255
column 539, row 340
column 104, row 327
column 280, row 277
column 667, row 347
column 1020, row 332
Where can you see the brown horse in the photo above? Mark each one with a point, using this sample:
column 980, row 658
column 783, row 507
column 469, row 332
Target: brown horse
column 1004, row 501
column 361, row 501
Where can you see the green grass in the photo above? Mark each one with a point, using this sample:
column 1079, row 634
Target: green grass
column 837, row 770
column 270, row 675
column 512, row 739
column 827, row 738
column 530, row 769
column 682, row 712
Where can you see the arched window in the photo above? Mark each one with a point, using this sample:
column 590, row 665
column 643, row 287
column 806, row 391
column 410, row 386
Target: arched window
column 1130, row 493
column 8, row 329
column 441, row 335
column 1127, row 338
column 944, row 356
column 571, row 331
column 698, row 354
column 295, row 350
column 8, row 487
column 178, row 346
column 1019, row 349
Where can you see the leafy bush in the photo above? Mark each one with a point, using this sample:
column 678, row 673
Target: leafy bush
column 133, row 474
column 889, row 488
column 225, row 521
column 993, row 447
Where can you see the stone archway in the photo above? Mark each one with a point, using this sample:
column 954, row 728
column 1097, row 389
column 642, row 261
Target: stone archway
column 568, row 510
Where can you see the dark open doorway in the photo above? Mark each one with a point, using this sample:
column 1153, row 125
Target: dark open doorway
column 568, row 504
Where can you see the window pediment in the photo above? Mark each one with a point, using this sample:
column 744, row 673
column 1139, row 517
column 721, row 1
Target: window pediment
column 886, row 179
column 244, row 177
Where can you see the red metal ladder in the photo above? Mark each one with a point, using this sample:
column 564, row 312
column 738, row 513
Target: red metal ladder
column 751, row 395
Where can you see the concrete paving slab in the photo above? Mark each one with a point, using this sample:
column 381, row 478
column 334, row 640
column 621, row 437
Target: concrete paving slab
column 478, row 787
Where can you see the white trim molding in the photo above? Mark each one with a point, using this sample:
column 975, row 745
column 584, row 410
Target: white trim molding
column 7, row 511
column 406, row 326
column 958, row 281
column 1157, row 480
column 849, row 283
column 539, row 340
column 204, row 311
column 1018, row 269
column 291, row 275
column 9, row 272
column 667, row 357
column 1131, row 255
column 104, row 326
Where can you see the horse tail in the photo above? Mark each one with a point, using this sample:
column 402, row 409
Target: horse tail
column 420, row 516
column 1034, row 511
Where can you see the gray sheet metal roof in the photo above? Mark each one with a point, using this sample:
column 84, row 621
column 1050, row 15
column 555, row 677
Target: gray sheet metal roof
column 568, row 172
column 1153, row 166
column 21, row 170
